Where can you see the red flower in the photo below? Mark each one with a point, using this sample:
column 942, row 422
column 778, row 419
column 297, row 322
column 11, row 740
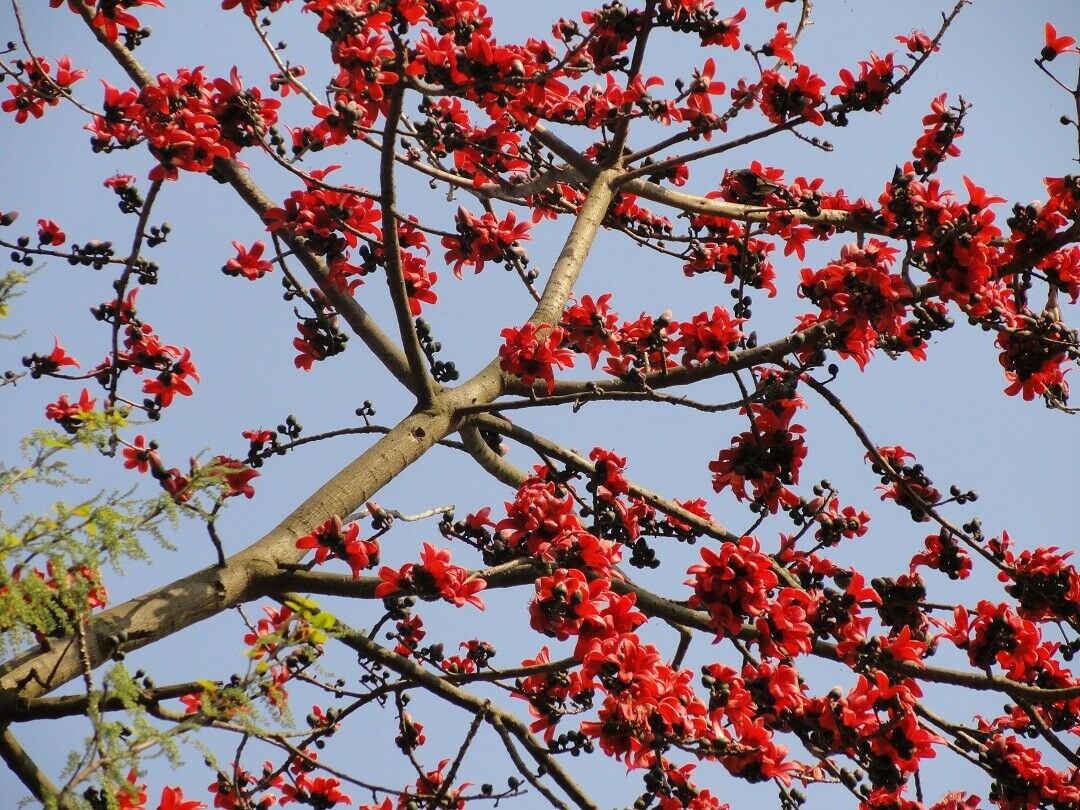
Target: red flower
column 332, row 539
column 870, row 89
column 172, row 798
column 38, row 90
column 1044, row 584
column 176, row 484
column 914, row 491
column 998, row 634
column 918, row 42
column 248, row 264
column 258, row 437
column 709, row 338
column 768, row 458
column 478, row 520
column 131, row 796
column 139, row 457
column 732, row 584
column 780, row 45
column 235, row 475
column 591, row 327
column 532, row 351
column 57, row 359
column 483, row 239
column 318, row 791
column 172, row 381
column 696, row 506
column 566, row 601
column 119, row 182
column 784, row 98
column 70, row 416
column 866, row 300
column 1055, row 45
column 698, row 101
column 943, row 553
column 433, row 578
column 49, row 233
column 784, row 629
column 723, row 32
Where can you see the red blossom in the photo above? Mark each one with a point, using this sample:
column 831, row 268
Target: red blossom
column 483, row 239
column 138, row 456
column 709, row 338
column 862, row 296
column 68, row 415
column 917, row 42
column 533, row 351
column 1056, row 45
column 172, row 798
column 333, row 539
column 698, row 101
column 911, row 489
column 247, row 263
column 732, row 583
column 767, row 457
column 433, row 578
column 783, row 98
column 49, row 233
column 173, row 380
column 131, row 796
column 235, row 476
column 37, row 89
column 780, row 45
column 57, row 358
column 591, row 327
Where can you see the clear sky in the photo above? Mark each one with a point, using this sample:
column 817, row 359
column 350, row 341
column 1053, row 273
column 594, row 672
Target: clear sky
column 949, row 409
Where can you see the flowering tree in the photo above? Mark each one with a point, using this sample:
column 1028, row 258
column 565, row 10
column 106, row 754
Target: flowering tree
column 691, row 653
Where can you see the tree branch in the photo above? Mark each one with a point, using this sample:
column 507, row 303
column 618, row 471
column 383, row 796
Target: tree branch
column 391, row 249
column 23, row 766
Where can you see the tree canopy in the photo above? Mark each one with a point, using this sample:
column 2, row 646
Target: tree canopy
column 648, row 341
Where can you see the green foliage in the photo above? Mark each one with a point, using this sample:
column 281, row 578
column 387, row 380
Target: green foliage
column 10, row 284
column 53, row 558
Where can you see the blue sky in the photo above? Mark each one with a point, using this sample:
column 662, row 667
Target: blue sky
column 949, row 409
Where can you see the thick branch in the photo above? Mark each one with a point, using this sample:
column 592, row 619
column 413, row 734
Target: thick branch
column 575, row 250
column 422, row 383
column 23, row 766
column 765, row 353
column 843, row 220
column 71, row 705
column 166, row 610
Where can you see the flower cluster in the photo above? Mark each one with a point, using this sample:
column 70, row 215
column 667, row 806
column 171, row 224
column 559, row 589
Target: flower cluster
column 869, row 90
column 996, row 634
column 333, row 539
column 907, row 485
column 37, row 88
column 484, row 239
column 533, row 352
column 187, row 121
column 709, row 338
column 766, row 458
column 732, row 584
column 433, row 578
column 783, row 97
column 567, row 604
column 867, row 302
column 1044, row 585
column 541, row 520
column 70, row 415
column 938, row 141
column 943, row 553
